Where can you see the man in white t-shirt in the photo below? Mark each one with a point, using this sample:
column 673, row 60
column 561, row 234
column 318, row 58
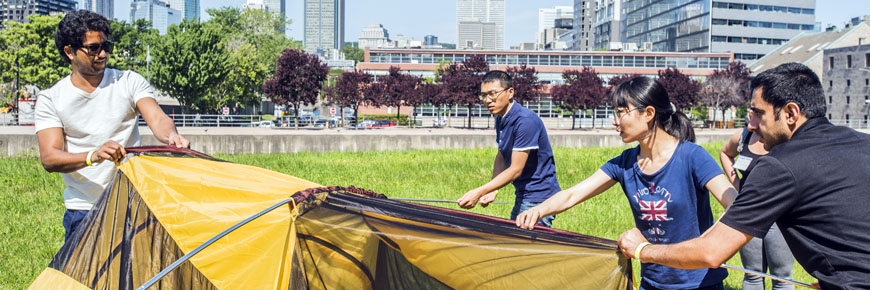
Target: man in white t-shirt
column 90, row 116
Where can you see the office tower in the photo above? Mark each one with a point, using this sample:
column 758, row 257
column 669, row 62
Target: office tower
column 480, row 24
column 159, row 13
column 18, row 10
column 547, row 16
column 254, row 4
column 102, row 7
column 583, row 38
column 374, row 36
column 324, row 24
column 276, row 6
column 607, row 25
column 189, row 8
column 748, row 28
column 430, row 40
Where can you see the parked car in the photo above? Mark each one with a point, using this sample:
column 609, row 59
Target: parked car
column 365, row 124
column 325, row 123
column 383, row 123
column 266, row 124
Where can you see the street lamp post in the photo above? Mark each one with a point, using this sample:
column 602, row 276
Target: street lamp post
column 17, row 91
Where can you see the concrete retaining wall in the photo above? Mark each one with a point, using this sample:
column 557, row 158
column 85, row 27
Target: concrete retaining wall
column 257, row 140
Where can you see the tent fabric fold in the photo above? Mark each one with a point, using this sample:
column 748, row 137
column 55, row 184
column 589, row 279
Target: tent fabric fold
column 165, row 202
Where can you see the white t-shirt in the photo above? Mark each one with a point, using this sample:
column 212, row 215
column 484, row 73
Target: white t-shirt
column 89, row 120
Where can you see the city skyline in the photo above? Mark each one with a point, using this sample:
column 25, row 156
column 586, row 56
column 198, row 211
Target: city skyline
column 414, row 21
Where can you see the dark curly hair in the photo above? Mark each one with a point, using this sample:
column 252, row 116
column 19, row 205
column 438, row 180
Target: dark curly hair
column 72, row 28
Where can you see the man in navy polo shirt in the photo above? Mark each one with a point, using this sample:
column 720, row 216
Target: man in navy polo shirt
column 524, row 154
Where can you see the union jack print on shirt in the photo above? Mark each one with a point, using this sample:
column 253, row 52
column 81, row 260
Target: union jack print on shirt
column 654, row 210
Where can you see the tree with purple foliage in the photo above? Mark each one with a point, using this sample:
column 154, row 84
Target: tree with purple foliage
column 527, row 87
column 461, row 82
column 297, row 80
column 398, row 88
column 583, row 89
column 727, row 88
column 683, row 91
column 348, row 91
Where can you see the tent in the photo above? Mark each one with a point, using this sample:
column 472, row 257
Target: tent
column 166, row 205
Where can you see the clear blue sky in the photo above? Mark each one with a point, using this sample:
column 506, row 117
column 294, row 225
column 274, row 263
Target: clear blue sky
column 415, row 18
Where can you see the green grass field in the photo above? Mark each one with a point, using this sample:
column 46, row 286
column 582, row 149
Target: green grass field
column 31, row 206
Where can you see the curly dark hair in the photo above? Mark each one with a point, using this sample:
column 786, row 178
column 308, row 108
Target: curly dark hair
column 72, row 28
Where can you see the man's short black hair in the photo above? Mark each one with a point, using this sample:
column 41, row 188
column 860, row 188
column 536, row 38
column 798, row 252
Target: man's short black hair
column 72, row 28
column 792, row 83
column 501, row 77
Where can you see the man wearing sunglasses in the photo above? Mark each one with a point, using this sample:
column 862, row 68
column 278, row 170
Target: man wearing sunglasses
column 89, row 116
column 524, row 154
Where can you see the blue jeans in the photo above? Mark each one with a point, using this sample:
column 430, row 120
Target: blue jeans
column 521, row 206
column 769, row 253
column 717, row 286
column 71, row 220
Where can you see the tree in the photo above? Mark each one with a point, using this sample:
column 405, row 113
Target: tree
column 131, row 45
column 683, row 91
column 721, row 93
column 348, row 91
column 423, row 91
column 254, row 41
column 398, row 88
column 527, row 87
column 31, row 46
column 582, row 89
column 354, row 53
column 461, row 82
column 727, row 88
column 297, row 80
column 189, row 63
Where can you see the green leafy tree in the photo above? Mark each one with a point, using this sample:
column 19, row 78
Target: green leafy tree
column 131, row 45
column 354, row 53
column 189, row 62
column 31, row 45
column 253, row 40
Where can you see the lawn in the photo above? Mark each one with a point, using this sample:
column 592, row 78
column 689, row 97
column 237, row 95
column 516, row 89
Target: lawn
column 31, row 206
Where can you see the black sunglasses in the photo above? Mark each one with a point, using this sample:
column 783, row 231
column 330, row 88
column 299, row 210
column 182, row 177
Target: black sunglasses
column 94, row 49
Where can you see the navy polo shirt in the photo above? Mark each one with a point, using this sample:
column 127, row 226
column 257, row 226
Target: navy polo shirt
column 520, row 129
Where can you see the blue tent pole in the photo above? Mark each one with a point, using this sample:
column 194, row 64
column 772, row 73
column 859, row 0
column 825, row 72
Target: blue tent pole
column 781, row 279
column 208, row 243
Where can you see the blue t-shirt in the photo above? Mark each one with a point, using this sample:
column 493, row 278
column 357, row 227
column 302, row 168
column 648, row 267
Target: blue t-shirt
column 520, row 130
column 670, row 206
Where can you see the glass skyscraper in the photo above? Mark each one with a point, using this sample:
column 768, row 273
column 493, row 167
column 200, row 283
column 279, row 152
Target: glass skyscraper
column 324, row 24
column 668, row 25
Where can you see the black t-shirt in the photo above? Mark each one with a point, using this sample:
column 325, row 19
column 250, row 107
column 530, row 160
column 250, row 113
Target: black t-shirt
column 816, row 187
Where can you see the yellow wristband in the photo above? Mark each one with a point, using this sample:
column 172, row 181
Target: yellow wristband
column 88, row 160
column 638, row 249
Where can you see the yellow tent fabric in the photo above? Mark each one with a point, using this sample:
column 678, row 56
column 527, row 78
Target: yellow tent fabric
column 197, row 199
column 54, row 279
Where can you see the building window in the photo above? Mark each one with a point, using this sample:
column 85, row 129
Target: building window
column 848, row 83
column 848, row 100
column 867, row 60
column 831, row 61
column 829, row 116
column 867, row 82
column 848, row 61
column 866, row 99
column 830, row 84
column 830, row 99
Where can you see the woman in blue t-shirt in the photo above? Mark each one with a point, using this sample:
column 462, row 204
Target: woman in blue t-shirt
column 666, row 179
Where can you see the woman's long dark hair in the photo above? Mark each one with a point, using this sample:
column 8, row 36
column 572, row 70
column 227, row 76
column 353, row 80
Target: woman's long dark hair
column 642, row 92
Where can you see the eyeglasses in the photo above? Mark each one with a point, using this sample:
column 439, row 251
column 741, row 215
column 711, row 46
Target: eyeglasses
column 491, row 95
column 94, row 49
column 618, row 114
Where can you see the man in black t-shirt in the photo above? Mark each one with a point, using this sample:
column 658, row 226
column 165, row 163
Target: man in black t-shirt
column 814, row 183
